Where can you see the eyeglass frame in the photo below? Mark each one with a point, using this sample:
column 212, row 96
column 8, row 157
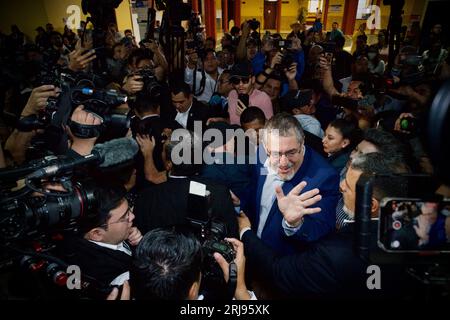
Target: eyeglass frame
column 123, row 218
column 288, row 154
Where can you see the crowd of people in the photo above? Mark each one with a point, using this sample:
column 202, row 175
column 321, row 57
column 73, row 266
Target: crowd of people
column 318, row 116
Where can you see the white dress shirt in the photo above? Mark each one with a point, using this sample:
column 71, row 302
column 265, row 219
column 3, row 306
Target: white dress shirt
column 182, row 118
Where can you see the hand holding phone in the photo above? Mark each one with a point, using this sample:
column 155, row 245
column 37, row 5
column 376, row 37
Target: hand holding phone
column 244, row 99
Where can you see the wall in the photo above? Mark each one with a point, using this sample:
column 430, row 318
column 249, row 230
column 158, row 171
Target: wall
column 13, row 12
column 29, row 14
column 289, row 13
column 252, row 9
column 123, row 16
column 333, row 16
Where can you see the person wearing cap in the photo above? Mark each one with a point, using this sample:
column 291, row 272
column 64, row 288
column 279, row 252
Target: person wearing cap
column 298, row 30
column 300, row 103
column 243, row 81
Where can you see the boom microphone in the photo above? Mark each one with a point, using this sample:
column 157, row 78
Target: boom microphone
column 107, row 154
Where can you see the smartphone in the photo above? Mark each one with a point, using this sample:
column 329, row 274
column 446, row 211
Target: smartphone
column 244, row 98
column 414, row 225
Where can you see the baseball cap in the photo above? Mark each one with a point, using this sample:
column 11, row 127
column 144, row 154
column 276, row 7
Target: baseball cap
column 296, row 99
column 241, row 69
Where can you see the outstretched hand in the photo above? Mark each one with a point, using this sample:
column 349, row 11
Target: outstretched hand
column 295, row 204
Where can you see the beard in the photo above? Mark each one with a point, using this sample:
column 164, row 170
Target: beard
column 284, row 177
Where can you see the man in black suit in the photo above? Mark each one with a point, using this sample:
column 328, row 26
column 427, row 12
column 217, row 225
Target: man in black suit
column 330, row 266
column 166, row 204
column 188, row 109
column 102, row 251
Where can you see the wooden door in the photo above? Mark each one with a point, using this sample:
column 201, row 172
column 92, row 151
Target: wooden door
column 270, row 15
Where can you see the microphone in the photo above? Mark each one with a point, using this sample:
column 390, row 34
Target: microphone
column 110, row 97
column 107, row 154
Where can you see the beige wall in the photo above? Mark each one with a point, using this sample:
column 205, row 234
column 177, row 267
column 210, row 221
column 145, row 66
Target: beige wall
column 335, row 16
column 252, row 9
column 29, row 14
column 289, row 13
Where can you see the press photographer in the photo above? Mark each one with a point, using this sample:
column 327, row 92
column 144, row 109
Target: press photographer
column 168, row 266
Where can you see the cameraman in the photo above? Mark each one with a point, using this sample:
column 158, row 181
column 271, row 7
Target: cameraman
column 142, row 59
column 168, row 266
column 18, row 141
column 206, row 79
column 103, row 250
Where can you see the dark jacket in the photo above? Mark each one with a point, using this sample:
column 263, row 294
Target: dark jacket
column 102, row 264
column 198, row 112
column 329, row 268
column 166, row 204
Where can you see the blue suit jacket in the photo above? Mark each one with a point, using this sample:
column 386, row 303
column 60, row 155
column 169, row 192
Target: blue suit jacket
column 318, row 173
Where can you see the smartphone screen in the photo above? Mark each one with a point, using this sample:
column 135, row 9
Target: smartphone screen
column 410, row 224
column 244, row 98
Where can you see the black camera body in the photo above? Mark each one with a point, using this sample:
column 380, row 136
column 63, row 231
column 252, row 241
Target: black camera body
column 254, row 24
column 151, row 84
column 211, row 233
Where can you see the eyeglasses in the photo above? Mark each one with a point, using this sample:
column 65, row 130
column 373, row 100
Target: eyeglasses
column 124, row 218
column 237, row 80
column 289, row 154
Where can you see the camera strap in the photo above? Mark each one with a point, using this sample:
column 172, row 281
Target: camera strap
column 84, row 131
column 232, row 279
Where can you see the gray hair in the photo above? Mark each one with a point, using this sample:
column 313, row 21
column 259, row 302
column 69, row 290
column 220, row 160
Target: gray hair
column 285, row 125
column 390, row 183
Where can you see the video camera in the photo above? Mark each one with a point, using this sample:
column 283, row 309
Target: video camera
column 35, row 216
column 409, row 71
column 76, row 90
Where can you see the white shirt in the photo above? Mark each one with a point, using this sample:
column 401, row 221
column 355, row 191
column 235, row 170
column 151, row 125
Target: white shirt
column 268, row 196
column 120, row 279
column 210, row 83
column 182, row 118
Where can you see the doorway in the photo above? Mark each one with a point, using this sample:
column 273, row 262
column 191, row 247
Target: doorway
column 270, row 14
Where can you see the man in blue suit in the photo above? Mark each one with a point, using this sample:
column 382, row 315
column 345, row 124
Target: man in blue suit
column 293, row 179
